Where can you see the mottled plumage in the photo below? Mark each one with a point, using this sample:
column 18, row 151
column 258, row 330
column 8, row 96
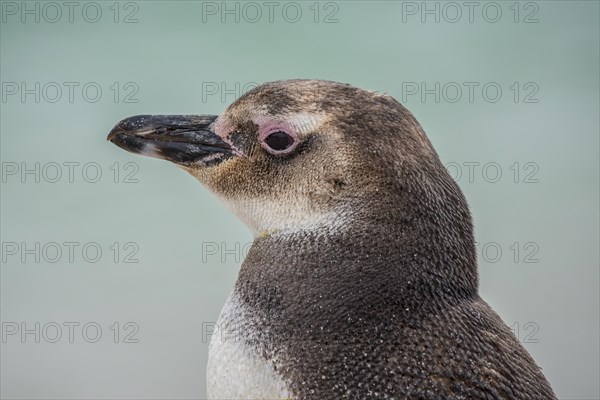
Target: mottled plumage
column 362, row 279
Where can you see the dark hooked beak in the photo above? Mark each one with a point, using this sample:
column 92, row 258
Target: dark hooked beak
column 182, row 139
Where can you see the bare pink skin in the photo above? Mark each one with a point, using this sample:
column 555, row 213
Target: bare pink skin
column 224, row 131
column 266, row 126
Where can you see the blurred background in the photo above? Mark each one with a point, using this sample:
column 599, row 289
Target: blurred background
column 115, row 267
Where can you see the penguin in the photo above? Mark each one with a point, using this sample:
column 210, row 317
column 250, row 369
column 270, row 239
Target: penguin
column 361, row 282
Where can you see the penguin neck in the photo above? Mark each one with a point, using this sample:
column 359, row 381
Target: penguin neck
column 402, row 254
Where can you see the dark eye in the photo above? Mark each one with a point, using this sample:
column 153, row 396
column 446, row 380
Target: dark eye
column 279, row 141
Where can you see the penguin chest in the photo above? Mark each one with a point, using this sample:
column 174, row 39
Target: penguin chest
column 237, row 369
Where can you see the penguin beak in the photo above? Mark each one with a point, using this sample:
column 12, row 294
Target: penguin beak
column 182, row 139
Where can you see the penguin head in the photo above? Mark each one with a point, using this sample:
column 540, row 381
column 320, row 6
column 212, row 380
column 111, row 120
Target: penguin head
column 299, row 155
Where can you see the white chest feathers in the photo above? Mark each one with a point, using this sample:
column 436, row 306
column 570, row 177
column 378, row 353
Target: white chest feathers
column 236, row 369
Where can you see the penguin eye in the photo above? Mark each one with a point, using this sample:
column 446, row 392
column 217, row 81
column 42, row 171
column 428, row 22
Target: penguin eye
column 279, row 142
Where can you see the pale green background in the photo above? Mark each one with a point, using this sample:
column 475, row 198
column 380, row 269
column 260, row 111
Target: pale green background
column 169, row 54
